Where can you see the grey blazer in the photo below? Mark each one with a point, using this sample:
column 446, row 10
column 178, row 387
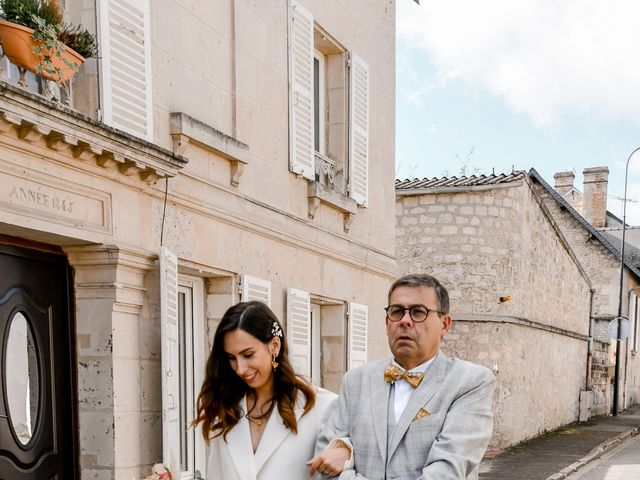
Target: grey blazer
column 442, row 433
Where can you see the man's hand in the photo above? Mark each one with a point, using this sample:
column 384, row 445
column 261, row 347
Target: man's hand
column 330, row 462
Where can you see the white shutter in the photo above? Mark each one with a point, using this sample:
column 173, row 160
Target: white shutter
column 359, row 130
column 635, row 321
column 253, row 288
column 125, row 66
column 299, row 330
column 171, row 432
column 358, row 325
column 301, row 91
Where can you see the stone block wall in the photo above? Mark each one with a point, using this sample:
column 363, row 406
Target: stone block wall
column 491, row 243
column 540, row 375
column 602, row 268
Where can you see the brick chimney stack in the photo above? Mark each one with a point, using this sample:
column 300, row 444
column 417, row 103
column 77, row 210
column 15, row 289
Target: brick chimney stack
column 595, row 196
column 564, row 186
column 564, row 182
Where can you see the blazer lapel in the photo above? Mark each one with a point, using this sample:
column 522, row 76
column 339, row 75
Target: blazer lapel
column 275, row 432
column 380, row 407
column 428, row 387
column 239, row 446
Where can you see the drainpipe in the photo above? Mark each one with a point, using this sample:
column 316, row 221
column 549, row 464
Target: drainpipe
column 589, row 377
column 626, row 357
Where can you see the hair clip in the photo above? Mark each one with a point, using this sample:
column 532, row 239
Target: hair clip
column 275, row 330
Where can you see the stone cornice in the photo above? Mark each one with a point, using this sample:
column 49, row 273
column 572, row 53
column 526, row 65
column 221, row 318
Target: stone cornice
column 33, row 119
column 110, row 255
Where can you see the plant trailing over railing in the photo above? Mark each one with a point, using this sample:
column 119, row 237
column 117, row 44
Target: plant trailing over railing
column 51, row 35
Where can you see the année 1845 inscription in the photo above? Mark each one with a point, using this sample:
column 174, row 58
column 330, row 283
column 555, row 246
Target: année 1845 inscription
column 33, row 197
column 36, row 195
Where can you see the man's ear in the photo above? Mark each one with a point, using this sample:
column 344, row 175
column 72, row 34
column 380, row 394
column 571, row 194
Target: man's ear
column 446, row 324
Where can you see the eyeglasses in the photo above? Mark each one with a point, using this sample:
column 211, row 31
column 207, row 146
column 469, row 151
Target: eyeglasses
column 418, row 313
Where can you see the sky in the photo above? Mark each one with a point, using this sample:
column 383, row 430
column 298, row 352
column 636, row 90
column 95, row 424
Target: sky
column 489, row 86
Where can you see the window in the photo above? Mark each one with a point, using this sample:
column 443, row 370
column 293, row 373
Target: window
column 191, row 367
column 319, row 345
column 329, row 109
column 318, row 102
column 183, row 361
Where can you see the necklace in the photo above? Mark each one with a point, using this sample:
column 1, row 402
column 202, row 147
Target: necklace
column 260, row 419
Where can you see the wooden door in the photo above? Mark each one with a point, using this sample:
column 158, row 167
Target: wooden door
column 37, row 391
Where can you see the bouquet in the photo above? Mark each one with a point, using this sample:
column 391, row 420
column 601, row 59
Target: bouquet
column 159, row 472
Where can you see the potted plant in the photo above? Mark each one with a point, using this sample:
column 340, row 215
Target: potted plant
column 35, row 37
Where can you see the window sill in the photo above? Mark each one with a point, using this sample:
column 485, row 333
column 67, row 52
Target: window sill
column 318, row 193
column 185, row 130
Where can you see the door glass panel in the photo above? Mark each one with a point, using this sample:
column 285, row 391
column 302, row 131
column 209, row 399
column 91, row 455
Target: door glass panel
column 22, row 378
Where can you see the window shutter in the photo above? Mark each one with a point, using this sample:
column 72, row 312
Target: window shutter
column 358, row 324
column 170, row 365
column 634, row 310
column 301, row 91
column 125, row 66
column 253, row 288
column 299, row 330
column 359, row 130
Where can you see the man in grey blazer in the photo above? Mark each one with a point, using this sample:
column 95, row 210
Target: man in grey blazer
column 419, row 415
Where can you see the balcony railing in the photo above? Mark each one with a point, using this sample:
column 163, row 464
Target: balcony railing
column 34, row 84
column 325, row 170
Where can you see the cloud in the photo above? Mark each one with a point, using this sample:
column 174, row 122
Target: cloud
column 545, row 58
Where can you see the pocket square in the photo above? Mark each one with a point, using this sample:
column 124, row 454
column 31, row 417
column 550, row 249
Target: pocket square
column 423, row 412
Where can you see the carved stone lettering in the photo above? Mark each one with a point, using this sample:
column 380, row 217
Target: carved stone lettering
column 34, row 198
column 55, row 200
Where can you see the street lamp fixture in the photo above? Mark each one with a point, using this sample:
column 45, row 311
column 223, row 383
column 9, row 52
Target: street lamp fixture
column 616, row 381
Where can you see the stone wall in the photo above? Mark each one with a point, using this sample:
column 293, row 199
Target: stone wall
column 488, row 244
column 603, row 270
column 539, row 373
column 600, row 378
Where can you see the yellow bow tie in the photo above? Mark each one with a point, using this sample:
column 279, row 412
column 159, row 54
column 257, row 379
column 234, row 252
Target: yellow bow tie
column 393, row 374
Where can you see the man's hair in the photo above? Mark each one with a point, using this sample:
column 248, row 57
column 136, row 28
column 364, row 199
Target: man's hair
column 415, row 280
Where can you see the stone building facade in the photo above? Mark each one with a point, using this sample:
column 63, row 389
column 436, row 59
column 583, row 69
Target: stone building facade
column 198, row 163
column 592, row 232
column 470, row 234
column 532, row 287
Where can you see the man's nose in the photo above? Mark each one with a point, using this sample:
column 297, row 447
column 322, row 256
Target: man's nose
column 406, row 320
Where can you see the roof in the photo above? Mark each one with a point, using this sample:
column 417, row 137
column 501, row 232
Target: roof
column 462, row 182
column 534, row 175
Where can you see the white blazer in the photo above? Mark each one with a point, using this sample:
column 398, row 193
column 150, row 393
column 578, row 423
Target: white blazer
column 281, row 454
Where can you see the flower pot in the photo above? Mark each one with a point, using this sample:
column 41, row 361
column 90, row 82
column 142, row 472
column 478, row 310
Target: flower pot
column 18, row 44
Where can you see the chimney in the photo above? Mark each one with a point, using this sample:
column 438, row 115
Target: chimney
column 595, row 196
column 564, row 186
column 564, row 182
